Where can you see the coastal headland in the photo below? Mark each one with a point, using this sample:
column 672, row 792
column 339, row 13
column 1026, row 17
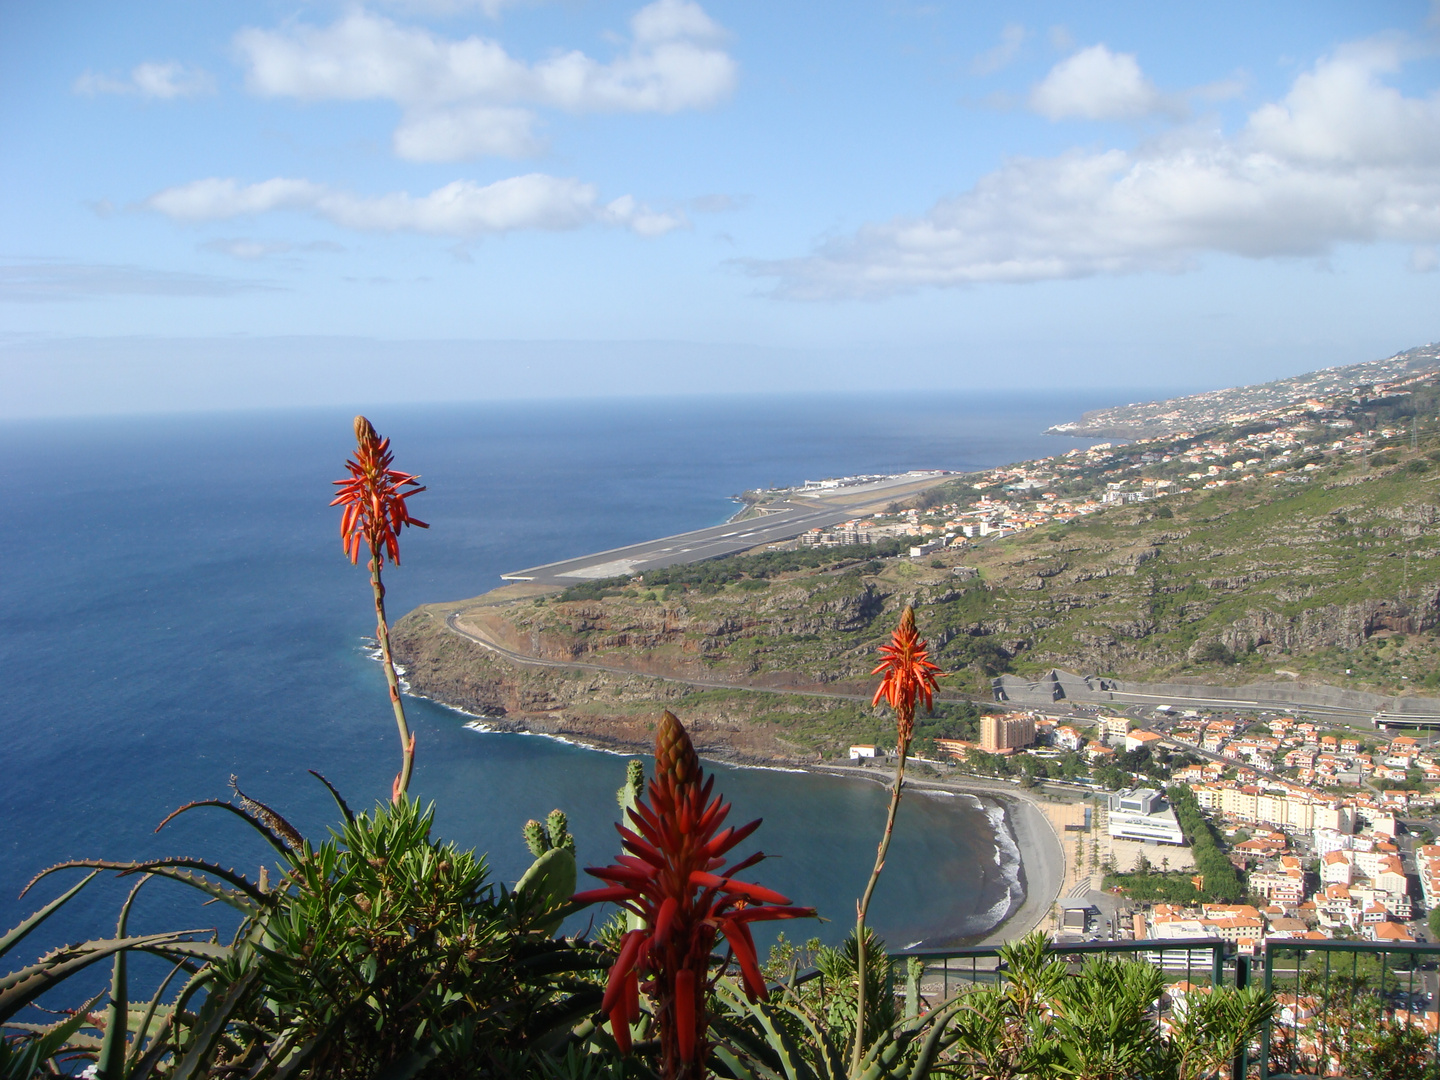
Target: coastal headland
column 1283, row 559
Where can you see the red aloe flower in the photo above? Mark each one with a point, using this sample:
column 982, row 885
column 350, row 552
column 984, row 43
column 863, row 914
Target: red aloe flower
column 375, row 512
column 909, row 676
column 672, row 878
column 373, row 498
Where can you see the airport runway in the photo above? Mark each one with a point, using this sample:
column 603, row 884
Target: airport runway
column 792, row 519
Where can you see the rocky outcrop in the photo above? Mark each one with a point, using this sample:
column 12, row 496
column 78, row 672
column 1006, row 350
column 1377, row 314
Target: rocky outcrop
column 1331, row 626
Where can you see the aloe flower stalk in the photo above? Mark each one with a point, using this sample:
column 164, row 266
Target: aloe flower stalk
column 907, row 677
column 673, row 878
column 375, row 511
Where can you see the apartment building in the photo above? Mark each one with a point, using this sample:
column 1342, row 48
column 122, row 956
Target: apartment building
column 1002, row 733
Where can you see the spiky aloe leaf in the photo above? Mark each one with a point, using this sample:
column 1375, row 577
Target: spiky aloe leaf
column 110, row 1065
column 176, row 869
column 19, row 988
column 888, row 1058
column 742, row 1068
column 937, row 1040
column 160, row 1047
column 210, row 951
column 150, row 1014
column 215, row 1017
column 272, row 819
column 24, row 1062
column 14, row 936
column 339, row 800
column 291, row 1065
column 771, row 1050
column 273, row 838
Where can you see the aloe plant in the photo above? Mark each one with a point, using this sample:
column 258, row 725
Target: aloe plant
column 124, row 1040
column 786, row 1039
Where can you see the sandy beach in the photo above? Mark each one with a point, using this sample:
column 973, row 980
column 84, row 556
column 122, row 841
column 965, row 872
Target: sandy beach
column 1044, row 866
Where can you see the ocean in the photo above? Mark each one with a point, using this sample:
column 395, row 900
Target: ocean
column 175, row 609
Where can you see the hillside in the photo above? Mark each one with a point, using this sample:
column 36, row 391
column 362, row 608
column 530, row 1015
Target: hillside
column 1320, row 562
column 1241, row 404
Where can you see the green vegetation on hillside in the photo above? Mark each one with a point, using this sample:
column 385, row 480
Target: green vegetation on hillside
column 1329, row 571
column 748, row 571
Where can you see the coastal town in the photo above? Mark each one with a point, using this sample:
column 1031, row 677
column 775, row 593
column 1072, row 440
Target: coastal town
column 1289, row 445
column 1330, row 832
column 1323, row 832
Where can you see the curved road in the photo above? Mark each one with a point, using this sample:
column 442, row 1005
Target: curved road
column 453, row 625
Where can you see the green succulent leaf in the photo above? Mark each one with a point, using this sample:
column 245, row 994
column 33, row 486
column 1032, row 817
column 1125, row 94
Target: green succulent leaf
column 19, row 988
column 214, row 1018
column 14, row 936
column 110, row 1065
column 23, row 1060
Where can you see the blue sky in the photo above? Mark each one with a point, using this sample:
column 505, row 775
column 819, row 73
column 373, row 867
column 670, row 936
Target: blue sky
column 232, row 205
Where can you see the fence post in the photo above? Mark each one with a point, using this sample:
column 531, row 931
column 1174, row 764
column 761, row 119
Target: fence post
column 1265, row 1033
column 1242, row 979
column 1217, row 965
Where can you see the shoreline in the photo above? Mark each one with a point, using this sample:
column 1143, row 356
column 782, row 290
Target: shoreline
column 1042, row 855
column 1042, row 859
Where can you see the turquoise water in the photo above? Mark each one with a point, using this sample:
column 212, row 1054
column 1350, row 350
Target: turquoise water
column 175, row 608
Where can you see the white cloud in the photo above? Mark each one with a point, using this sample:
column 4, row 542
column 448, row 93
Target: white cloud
column 459, row 209
column 465, row 132
column 208, row 200
column 1343, row 158
column 161, row 80
column 470, row 96
column 992, row 60
column 1095, row 84
column 1341, row 115
column 1424, row 259
column 249, row 250
column 674, row 20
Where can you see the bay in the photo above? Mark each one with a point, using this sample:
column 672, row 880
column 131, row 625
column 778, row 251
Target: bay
column 175, row 610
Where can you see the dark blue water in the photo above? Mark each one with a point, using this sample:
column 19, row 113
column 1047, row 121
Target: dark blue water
column 175, row 608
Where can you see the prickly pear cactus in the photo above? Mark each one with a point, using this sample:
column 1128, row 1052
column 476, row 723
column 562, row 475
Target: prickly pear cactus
column 536, row 838
column 555, row 827
column 633, row 786
column 550, row 882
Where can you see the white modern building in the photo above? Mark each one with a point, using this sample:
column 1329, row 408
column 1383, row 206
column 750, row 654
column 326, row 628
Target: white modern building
column 1140, row 814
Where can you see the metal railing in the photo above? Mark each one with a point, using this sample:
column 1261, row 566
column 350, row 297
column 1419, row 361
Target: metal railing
column 1320, row 987
column 1200, row 958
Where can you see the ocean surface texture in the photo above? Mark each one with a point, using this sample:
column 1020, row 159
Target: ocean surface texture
column 175, row 609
